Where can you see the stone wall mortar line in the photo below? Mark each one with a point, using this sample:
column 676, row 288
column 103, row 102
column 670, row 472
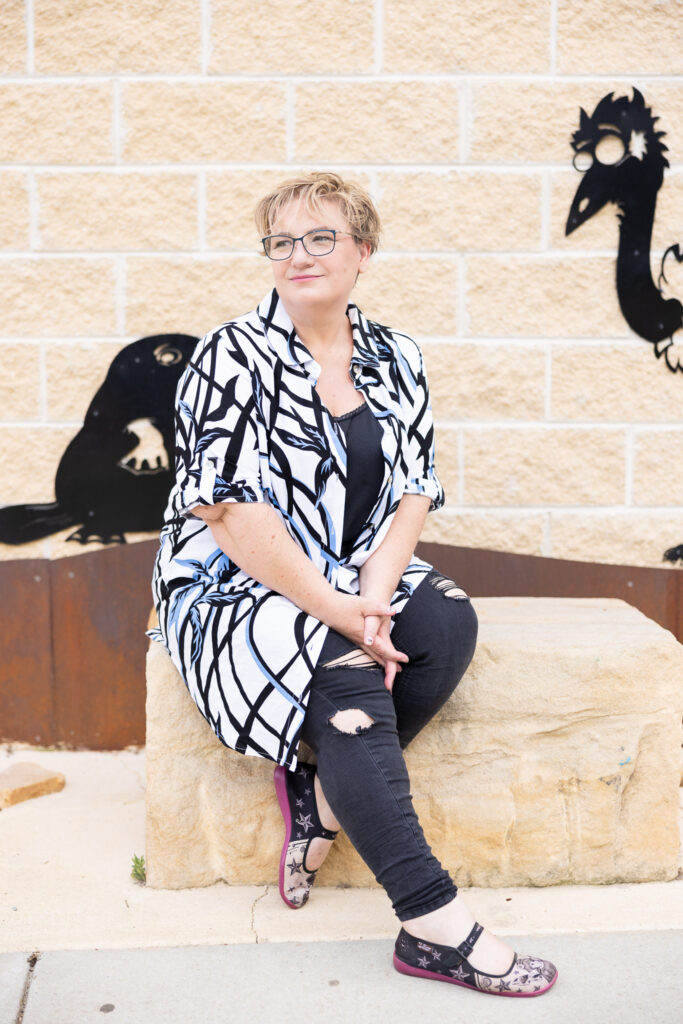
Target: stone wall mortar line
column 364, row 78
column 30, row 38
column 205, row 35
column 378, row 29
column 530, row 170
column 553, row 37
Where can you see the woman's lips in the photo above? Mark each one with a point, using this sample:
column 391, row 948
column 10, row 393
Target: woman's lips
column 305, row 277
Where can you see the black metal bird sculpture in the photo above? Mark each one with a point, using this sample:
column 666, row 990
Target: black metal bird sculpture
column 115, row 475
column 621, row 157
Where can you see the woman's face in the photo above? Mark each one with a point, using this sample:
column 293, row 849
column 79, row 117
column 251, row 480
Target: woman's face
column 315, row 284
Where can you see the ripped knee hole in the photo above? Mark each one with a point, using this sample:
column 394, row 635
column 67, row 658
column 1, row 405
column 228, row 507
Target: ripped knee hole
column 448, row 588
column 352, row 721
column 354, row 659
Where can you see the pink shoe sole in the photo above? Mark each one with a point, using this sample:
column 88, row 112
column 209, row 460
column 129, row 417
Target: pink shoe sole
column 418, row 972
column 281, row 793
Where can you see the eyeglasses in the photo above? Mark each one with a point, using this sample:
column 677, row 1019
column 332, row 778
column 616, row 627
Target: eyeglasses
column 319, row 242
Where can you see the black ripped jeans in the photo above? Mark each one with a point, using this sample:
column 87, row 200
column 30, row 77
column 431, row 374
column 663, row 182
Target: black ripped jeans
column 363, row 773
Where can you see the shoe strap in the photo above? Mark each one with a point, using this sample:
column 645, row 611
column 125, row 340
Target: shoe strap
column 465, row 948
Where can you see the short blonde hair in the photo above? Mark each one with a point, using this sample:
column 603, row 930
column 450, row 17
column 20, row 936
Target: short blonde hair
column 354, row 203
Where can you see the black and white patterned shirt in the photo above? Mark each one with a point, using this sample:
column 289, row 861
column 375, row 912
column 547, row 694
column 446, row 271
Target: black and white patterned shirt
column 251, row 427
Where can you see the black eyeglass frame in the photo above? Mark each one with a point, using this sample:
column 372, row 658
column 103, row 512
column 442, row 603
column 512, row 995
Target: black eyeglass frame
column 314, row 231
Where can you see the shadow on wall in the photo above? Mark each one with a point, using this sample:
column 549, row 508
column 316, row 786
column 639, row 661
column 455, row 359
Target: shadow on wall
column 117, row 472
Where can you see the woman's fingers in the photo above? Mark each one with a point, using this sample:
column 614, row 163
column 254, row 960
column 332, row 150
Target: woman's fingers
column 372, row 624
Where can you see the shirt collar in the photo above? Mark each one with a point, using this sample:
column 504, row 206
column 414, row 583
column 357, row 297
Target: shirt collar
column 281, row 336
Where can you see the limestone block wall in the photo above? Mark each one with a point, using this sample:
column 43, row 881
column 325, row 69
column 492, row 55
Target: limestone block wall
column 136, row 138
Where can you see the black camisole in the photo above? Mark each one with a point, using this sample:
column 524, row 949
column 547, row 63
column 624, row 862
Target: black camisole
column 364, row 470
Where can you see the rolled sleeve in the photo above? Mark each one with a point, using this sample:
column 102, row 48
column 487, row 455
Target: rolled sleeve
column 217, row 452
column 421, row 475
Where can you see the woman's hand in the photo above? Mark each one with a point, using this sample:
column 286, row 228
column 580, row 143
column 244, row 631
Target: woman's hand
column 365, row 621
column 379, row 627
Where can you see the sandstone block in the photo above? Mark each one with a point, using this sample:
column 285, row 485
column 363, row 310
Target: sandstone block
column 417, row 295
column 623, row 382
column 20, row 382
column 486, row 381
column 24, row 781
column 461, row 210
column 543, row 114
column 66, row 296
column 486, row 36
column 207, row 122
column 382, row 122
column 13, row 50
column 14, row 211
column 74, row 372
column 626, row 38
column 633, row 537
column 554, row 466
column 28, row 462
column 61, row 123
column 338, row 40
column 97, row 36
column 519, row 532
column 531, row 297
column 551, row 763
column 103, row 212
column 655, row 481
column 192, row 294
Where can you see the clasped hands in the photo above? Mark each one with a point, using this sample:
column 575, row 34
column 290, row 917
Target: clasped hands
column 366, row 622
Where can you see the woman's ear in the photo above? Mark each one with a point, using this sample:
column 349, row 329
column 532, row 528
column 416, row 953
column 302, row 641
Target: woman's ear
column 364, row 248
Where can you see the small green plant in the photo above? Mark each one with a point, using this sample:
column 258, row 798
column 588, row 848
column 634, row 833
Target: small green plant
column 138, row 871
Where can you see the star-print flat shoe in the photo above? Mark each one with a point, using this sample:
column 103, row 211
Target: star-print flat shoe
column 528, row 976
column 296, row 796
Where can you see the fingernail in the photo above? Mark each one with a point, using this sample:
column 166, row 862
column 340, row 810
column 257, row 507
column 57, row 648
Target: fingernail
column 368, row 640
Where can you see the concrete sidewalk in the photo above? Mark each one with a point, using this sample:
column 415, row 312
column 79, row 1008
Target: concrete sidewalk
column 66, row 893
column 604, row 979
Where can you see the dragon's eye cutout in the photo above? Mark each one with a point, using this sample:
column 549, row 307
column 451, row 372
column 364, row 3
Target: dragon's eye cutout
column 583, row 160
column 610, row 150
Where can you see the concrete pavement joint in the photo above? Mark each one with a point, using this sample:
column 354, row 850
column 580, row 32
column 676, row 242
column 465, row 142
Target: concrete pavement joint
column 253, row 912
column 32, row 960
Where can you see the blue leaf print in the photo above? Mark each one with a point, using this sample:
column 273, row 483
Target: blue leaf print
column 197, row 634
column 208, row 438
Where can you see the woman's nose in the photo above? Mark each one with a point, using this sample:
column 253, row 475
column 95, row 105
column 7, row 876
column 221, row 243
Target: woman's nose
column 299, row 254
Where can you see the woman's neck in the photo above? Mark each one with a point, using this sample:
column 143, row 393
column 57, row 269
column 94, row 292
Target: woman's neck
column 324, row 337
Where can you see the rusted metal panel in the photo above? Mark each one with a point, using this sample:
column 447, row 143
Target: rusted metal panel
column 27, row 691
column 101, row 602
column 73, row 644
column 658, row 593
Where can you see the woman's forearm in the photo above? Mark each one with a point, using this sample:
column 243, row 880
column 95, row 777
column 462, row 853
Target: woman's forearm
column 380, row 575
column 255, row 538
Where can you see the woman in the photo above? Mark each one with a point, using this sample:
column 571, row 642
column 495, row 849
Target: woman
column 287, row 589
